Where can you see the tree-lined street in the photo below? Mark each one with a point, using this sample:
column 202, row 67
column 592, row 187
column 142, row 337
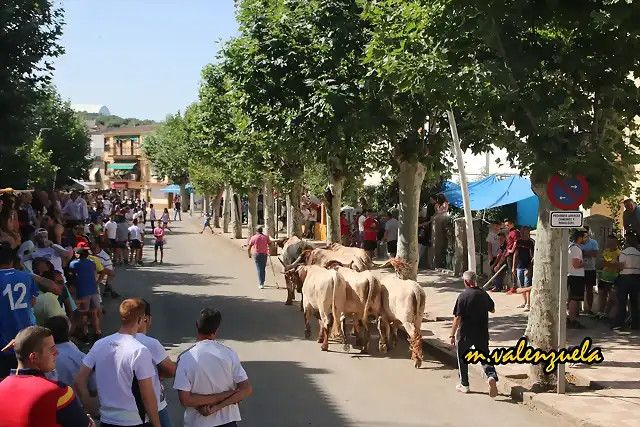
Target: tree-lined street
column 295, row 384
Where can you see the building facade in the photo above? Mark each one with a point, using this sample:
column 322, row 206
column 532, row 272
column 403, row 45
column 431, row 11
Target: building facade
column 127, row 170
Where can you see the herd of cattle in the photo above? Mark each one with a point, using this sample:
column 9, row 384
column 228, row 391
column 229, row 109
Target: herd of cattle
column 339, row 282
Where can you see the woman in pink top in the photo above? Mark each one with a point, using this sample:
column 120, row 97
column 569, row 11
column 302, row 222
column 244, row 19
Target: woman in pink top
column 260, row 244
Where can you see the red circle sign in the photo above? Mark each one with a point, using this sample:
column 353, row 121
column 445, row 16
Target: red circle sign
column 567, row 193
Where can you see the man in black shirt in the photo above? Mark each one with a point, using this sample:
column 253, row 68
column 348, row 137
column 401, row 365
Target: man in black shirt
column 471, row 329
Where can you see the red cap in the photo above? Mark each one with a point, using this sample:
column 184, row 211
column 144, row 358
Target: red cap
column 82, row 245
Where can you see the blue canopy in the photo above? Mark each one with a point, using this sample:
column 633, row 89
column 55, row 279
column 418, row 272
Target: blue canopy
column 174, row 188
column 491, row 192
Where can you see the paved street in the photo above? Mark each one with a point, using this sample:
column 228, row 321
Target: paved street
column 295, row 384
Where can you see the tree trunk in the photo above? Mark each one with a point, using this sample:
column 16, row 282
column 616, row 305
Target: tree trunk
column 226, row 210
column 183, row 197
column 270, row 220
column 410, row 180
column 294, row 216
column 216, row 208
column 333, row 204
column 252, row 214
column 236, row 215
column 205, row 203
column 542, row 326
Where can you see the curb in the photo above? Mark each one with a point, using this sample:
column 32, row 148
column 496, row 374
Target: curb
column 445, row 354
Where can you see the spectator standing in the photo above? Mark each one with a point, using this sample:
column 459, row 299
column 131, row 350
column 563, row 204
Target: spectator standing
column 313, row 219
column 631, row 218
column 361, row 219
column 512, row 238
column 590, row 251
column 370, row 235
column 109, row 271
column 177, row 205
column 391, row 230
column 47, row 303
column 158, row 234
column 165, row 367
column 166, row 219
column 493, row 241
column 136, row 241
column 260, row 243
column 76, row 208
column 575, row 279
column 470, row 329
column 210, row 378
column 124, row 373
column 608, row 276
column 19, row 293
column 122, row 237
column 627, row 285
column 30, row 398
column 87, row 296
column 498, row 262
column 522, row 263
column 152, row 216
column 110, row 228
column 69, row 358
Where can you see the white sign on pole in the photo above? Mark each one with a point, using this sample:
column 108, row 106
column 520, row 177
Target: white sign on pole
column 566, row 219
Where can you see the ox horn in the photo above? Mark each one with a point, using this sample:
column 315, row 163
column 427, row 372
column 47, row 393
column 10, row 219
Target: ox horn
column 385, row 265
column 333, row 263
column 295, row 263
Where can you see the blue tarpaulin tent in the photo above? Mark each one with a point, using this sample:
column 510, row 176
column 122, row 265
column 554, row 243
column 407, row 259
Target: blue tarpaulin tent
column 491, row 192
column 175, row 188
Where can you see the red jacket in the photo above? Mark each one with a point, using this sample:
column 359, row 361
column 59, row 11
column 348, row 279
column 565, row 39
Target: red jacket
column 31, row 400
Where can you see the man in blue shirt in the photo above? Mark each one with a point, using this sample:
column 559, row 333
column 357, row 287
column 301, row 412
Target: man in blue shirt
column 87, row 296
column 18, row 292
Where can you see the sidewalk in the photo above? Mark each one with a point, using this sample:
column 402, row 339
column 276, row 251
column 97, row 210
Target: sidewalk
column 615, row 382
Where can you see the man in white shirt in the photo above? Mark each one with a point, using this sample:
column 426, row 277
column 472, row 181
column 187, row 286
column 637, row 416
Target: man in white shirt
column 628, row 284
column 106, row 207
column 136, row 238
column 152, row 216
column 109, row 271
column 76, row 208
column 391, row 229
column 124, row 373
column 210, row 379
column 45, row 248
column 575, row 279
column 165, row 367
column 361, row 219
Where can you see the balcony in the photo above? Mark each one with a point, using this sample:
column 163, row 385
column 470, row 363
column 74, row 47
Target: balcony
column 126, row 153
column 128, row 176
column 121, row 171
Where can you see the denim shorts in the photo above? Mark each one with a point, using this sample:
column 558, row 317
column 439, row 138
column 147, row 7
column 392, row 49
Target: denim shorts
column 524, row 281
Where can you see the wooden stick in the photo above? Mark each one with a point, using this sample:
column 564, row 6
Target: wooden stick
column 495, row 275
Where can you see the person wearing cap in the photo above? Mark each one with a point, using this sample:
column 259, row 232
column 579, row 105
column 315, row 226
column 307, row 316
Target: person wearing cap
column 260, row 242
column 46, row 249
column 87, row 296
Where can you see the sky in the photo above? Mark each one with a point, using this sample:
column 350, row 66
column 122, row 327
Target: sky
column 139, row 58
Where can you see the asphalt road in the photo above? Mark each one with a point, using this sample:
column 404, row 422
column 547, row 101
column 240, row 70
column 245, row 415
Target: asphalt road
column 295, row 384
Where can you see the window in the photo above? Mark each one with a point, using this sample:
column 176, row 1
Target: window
column 107, row 146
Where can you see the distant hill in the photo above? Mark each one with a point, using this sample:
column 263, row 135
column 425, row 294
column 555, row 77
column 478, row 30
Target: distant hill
column 114, row 121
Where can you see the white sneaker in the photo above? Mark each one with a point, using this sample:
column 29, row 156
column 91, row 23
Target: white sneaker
column 493, row 387
column 261, row 286
column 521, row 305
column 527, row 308
column 462, row 388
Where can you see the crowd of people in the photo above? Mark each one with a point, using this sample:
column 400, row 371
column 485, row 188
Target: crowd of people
column 58, row 258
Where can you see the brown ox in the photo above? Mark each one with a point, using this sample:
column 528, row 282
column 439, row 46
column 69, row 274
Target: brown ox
column 293, row 248
column 369, row 292
column 324, row 293
column 404, row 303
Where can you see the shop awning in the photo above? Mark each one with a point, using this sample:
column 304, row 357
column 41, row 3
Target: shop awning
column 121, row 166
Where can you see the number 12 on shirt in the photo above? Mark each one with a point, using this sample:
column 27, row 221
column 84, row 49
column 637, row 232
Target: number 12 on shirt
column 20, row 288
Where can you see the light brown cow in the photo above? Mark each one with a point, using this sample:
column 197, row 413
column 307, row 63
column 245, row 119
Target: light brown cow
column 324, row 292
column 369, row 291
column 359, row 257
column 404, row 302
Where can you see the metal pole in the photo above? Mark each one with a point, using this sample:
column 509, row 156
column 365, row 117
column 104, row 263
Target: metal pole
column 468, row 219
column 562, row 307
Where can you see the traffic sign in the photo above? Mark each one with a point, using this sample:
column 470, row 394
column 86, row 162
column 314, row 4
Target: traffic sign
column 566, row 219
column 567, row 193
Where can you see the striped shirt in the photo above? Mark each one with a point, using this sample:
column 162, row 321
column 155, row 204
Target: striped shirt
column 631, row 259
